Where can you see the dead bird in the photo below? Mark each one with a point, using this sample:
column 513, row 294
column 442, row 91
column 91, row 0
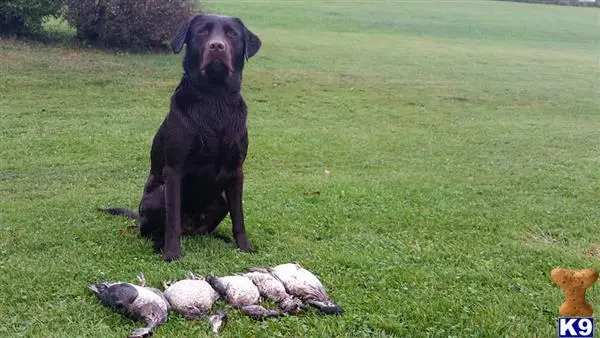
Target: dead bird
column 140, row 302
column 271, row 288
column 193, row 298
column 303, row 284
column 242, row 294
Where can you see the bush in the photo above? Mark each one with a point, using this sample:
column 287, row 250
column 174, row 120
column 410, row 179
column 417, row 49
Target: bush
column 129, row 24
column 26, row 16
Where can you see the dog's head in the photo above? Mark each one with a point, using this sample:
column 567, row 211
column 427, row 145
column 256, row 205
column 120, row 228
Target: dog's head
column 216, row 47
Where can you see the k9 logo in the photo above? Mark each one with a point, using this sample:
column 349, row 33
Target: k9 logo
column 575, row 327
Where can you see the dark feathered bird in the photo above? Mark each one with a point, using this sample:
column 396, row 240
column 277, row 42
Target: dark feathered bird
column 136, row 301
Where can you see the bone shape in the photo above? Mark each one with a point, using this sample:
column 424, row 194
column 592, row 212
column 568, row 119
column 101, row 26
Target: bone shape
column 574, row 284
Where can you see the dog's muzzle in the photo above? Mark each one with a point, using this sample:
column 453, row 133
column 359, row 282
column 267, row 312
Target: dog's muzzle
column 217, row 58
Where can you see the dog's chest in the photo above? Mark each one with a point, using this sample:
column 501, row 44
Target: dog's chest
column 216, row 138
column 215, row 157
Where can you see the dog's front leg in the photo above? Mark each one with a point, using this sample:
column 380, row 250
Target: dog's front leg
column 172, row 247
column 234, row 191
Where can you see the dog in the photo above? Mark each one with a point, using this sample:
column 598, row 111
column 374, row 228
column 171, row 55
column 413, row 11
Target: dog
column 196, row 174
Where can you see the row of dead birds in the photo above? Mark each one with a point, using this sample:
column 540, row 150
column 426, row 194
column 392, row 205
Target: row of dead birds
column 290, row 285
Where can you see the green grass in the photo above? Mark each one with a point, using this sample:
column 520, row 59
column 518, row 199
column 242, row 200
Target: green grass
column 461, row 140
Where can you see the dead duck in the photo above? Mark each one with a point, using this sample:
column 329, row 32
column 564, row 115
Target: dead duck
column 303, row 284
column 242, row 294
column 271, row 288
column 193, row 298
column 137, row 301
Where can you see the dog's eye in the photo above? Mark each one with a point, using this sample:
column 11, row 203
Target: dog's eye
column 203, row 31
column 232, row 34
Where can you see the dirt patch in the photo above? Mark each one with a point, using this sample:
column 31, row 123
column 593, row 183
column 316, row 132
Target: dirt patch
column 592, row 250
column 541, row 237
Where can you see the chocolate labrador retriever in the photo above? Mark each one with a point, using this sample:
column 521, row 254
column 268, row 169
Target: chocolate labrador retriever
column 197, row 154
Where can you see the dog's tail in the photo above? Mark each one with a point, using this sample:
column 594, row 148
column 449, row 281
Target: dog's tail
column 122, row 212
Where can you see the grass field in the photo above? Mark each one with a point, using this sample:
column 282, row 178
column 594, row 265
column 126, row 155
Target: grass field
column 461, row 140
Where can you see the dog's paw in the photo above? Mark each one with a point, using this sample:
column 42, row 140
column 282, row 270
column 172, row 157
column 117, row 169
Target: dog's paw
column 245, row 245
column 170, row 257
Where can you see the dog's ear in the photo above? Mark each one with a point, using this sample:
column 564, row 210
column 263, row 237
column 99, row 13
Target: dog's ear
column 181, row 36
column 252, row 41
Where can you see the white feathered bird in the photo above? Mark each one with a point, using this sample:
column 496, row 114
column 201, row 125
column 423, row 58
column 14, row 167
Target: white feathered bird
column 303, row 284
column 242, row 294
column 193, row 298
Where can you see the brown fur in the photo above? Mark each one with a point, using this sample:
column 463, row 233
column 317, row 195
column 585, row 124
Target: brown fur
column 196, row 175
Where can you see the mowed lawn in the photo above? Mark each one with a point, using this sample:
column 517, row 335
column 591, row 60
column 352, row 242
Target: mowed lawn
column 431, row 162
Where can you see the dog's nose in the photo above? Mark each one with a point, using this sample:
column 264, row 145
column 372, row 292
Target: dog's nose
column 216, row 45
